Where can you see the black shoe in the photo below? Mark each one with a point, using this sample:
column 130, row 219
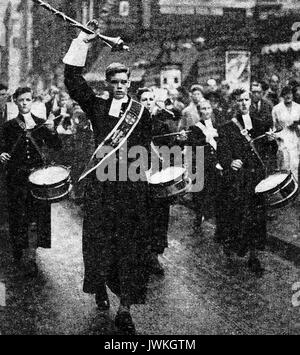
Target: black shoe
column 254, row 266
column 102, row 301
column 155, row 267
column 124, row 322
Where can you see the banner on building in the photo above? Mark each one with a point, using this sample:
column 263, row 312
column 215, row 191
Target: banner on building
column 237, row 69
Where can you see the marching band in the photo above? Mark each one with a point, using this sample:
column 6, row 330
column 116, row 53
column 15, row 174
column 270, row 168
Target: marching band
column 125, row 222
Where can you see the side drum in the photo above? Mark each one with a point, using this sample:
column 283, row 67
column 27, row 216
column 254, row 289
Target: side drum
column 169, row 182
column 278, row 189
column 50, row 183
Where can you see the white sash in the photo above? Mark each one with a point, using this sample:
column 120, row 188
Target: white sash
column 206, row 131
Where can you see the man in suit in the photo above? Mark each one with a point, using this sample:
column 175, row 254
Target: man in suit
column 260, row 108
column 242, row 226
column 115, row 225
column 20, row 153
column 272, row 94
column 191, row 114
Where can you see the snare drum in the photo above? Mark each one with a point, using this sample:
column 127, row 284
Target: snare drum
column 278, row 189
column 169, row 182
column 50, row 183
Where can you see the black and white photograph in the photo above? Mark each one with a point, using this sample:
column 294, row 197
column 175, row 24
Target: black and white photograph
column 149, row 170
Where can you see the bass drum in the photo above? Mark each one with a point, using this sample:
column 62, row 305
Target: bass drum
column 278, row 189
column 50, row 183
column 169, row 182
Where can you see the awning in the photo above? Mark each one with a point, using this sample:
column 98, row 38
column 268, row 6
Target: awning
column 281, row 47
column 141, row 53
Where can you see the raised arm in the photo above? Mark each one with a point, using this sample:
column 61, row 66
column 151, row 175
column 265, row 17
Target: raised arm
column 74, row 61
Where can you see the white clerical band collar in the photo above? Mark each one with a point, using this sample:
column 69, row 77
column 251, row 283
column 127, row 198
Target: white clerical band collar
column 27, row 116
column 247, row 117
column 115, row 106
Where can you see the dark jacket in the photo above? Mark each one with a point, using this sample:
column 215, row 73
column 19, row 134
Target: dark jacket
column 22, row 207
column 115, row 225
column 24, row 155
column 242, row 224
column 264, row 113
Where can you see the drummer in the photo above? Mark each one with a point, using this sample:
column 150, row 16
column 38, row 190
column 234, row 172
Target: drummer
column 23, row 139
column 204, row 133
column 242, row 227
column 160, row 208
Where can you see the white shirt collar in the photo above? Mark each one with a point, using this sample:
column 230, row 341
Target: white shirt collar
column 29, row 121
column 115, row 107
column 247, row 122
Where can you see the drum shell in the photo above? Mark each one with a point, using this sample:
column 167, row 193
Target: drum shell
column 282, row 194
column 172, row 188
column 52, row 192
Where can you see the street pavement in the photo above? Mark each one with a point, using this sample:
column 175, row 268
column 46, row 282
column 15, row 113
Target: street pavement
column 199, row 294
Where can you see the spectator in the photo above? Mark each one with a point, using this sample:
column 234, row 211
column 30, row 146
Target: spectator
column 191, row 114
column 286, row 114
column 218, row 106
column 176, row 103
column 61, row 113
column 212, row 85
column 261, row 109
column 272, row 94
column 52, row 102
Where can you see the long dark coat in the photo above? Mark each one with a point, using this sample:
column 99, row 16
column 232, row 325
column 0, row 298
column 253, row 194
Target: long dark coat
column 241, row 224
column 22, row 207
column 116, row 213
column 205, row 200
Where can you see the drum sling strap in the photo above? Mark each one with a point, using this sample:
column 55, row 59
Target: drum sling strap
column 116, row 138
column 205, row 131
column 244, row 132
column 212, row 142
column 30, row 137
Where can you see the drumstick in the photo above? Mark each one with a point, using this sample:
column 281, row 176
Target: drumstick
column 279, row 129
column 170, row 134
column 43, row 124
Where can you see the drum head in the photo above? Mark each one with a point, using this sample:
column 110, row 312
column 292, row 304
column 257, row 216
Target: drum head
column 271, row 182
column 49, row 175
column 166, row 175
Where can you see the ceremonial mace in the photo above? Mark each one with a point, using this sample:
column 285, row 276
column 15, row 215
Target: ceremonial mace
column 115, row 43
